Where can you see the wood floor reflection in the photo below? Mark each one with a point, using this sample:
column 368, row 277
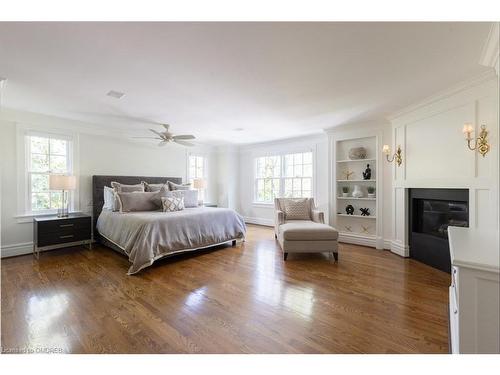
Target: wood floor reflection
column 241, row 299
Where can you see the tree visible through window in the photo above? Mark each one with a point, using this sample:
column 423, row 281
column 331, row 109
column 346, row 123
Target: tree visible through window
column 287, row 175
column 46, row 155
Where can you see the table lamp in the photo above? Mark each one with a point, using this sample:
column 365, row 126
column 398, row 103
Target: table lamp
column 63, row 183
column 199, row 183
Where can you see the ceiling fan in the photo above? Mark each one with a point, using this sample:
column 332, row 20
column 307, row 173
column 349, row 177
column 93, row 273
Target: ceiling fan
column 166, row 137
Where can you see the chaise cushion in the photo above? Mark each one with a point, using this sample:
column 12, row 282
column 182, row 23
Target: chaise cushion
column 304, row 230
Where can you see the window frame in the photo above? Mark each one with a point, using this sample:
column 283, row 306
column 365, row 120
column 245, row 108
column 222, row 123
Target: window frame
column 282, row 176
column 30, row 173
column 204, row 174
column 24, row 198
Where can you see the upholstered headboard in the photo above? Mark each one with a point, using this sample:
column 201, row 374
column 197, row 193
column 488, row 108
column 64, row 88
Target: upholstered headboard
column 98, row 183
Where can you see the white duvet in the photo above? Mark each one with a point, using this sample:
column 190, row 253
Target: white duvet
column 147, row 236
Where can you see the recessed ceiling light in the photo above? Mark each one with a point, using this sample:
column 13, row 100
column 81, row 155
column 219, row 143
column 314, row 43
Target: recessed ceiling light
column 115, row 94
column 238, row 129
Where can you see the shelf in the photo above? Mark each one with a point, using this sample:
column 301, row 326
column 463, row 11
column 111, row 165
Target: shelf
column 357, row 216
column 356, row 180
column 354, row 161
column 357, row 234
column 357, row 199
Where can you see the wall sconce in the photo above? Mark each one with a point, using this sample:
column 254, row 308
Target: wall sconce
column 481, row 143
column 397, row 155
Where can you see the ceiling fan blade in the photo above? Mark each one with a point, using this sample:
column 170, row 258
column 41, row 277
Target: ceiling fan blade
column 184, row 136
column 162, row 143
column 147, row 137
column 184, row 143
column 166, row 126
column 156, row 132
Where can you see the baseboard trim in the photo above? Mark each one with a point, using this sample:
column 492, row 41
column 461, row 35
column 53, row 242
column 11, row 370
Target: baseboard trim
column 356, row 239
column 400, row 249
column 259, row 221
column 387, row 244
column 16, row 249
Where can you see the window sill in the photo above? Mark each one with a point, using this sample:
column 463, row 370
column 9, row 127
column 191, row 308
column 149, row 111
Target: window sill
column 28, row 218
column 263, row 205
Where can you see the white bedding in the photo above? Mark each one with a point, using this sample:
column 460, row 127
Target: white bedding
column 147, row 236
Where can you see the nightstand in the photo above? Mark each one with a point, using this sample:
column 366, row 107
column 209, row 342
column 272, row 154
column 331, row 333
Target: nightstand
column 52, row 232
column 209, row 205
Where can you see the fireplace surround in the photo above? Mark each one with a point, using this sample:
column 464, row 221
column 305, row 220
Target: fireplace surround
column 431, row 211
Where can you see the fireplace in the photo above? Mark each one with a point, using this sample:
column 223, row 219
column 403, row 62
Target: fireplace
column 431, row 212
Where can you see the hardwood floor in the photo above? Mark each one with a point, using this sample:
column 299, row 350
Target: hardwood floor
column 241, row 299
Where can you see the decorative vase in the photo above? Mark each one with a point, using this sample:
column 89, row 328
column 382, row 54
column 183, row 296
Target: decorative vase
column 357, row 193
column 357, row 153
column 345, row 195
column 372, row 195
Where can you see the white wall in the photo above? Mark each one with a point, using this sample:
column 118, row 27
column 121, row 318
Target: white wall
column 264, row 214
column 99, row 153
column 228, row 159
column 435, row 154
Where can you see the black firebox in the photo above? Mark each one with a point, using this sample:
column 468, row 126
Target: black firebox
column 431, row 212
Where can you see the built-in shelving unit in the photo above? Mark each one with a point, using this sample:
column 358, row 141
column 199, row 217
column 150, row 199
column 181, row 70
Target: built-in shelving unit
column 356, row 199
column 367, row 181
column 357, row 216
column 358, row 229
column 355, row 161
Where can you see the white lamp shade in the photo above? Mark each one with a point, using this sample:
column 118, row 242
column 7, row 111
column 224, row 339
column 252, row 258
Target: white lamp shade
column 60, row 182
column 199, row 183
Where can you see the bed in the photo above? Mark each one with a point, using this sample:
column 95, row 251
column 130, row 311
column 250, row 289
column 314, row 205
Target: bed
column 145, row 237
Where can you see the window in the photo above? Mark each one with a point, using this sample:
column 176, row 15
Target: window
column 197, row 169
column 287, row 176
column 298, row 175
column 45, row 155
column 268, row 178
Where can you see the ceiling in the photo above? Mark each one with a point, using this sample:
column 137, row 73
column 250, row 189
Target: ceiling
column 273, row 80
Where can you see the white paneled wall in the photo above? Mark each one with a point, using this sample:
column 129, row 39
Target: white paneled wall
column 435, row 154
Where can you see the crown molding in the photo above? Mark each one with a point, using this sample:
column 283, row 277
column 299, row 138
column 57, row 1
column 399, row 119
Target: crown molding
column 491, row 49
column 348, row 126
column 453, row 90
column 312, row 138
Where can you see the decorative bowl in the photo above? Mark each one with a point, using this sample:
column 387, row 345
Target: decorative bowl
column 357, row 153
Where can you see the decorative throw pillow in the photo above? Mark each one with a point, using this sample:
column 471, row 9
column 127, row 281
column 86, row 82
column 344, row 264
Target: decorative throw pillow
column 172, row 186
column 297, row 209
column 136, row 201
column 190, row 197
column 171, row 204
column 154, row 187
column 121, row 188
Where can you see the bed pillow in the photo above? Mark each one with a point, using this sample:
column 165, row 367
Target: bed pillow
column 121, row 188
column 171, row 204
column 172, row 186
column 163, row 192
column 109, row 199
column 136, row 201
column 297, row 209
column 153, row 187
column 190, row 197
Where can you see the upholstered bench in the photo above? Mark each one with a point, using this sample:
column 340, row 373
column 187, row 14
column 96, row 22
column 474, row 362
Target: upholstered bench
column 300, row 228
